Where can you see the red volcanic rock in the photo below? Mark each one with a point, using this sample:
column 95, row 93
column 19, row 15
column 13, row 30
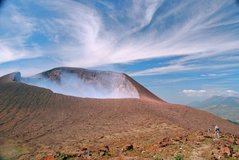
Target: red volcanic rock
column 128, row 147
column 165, row 142
column 201, row 138
column 104, row 151
column 49, row 157
column 236, row 155
column 226, row 151
column 84, row 152
column 237, row 141
column 177, row 139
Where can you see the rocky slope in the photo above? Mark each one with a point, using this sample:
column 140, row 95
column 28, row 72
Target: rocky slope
column 36, row 122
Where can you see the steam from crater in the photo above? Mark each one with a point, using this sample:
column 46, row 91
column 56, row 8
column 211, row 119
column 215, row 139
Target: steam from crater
column 85, row 83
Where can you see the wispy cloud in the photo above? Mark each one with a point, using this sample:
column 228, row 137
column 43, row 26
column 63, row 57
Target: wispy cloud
column 209, row 92
column 83, row 35
column 177, row 68
column 214, row 75
column 15, row 28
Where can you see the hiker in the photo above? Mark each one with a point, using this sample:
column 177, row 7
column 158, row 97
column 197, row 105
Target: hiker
column 216, row 131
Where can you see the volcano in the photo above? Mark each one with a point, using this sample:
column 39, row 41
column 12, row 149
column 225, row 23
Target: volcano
column 65, row 109
column 85, row 83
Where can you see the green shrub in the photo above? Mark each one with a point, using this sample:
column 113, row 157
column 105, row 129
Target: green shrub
column 179, row 157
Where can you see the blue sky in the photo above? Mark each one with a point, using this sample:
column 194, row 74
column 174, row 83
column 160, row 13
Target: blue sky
column 182, row 50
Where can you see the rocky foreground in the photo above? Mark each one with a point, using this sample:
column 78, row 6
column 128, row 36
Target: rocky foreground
column 192, row 145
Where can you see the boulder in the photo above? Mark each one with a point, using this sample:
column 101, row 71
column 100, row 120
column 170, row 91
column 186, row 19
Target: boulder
column 104, row 151
column 49, row 157
column 226, row 151
column 165, row 142
column 128, row 147
column 237, row 141
column 236, row 155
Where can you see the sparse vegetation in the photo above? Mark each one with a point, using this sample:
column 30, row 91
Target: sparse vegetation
column 10, row 149
column 179, row 157
column 158, row 158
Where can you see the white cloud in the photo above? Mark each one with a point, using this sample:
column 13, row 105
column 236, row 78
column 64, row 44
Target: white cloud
column 194, row 93
column 16, row 28
column 209, row 92
column 182, row 67
column 231, row 93
column 161, row 70
column 81, row 36
column 213, row 75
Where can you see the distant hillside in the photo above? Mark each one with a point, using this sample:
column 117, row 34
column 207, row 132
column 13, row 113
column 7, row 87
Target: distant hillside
column 226, row 107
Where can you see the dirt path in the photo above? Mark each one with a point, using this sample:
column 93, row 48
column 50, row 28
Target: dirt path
column 197, row 152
